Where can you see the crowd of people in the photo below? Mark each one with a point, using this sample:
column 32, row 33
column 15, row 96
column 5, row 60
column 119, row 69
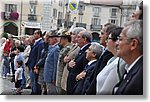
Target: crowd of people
column 71, row 63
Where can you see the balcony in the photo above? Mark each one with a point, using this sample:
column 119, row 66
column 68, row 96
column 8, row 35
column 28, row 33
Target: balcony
column 32, row 17
column 68, row 24
column 80, row 12
column 81, row 25
column 96, row 27
column 5, row 15
column 96, row 15
column 59, row 22
column 34, row 2
column 9, row 16
column 113, row 16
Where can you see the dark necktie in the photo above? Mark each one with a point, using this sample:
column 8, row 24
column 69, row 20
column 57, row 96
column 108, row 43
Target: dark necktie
column 86, row 67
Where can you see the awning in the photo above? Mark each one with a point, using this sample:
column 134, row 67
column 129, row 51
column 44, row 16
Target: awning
column 7, row 23
column 32, row 25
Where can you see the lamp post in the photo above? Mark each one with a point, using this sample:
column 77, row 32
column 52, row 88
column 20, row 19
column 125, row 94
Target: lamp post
column 67, row 16
column 21, row 18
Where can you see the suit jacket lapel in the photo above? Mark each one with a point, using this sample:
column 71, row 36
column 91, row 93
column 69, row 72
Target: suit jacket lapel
column 36, row 43
column 83, row 50
column 129, row 76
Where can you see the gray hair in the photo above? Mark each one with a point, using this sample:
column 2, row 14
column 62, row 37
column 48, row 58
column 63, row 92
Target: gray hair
column 97, row 49
column 3, row 40
column 17, row 42
column 136, row 31
column 77, row 30
column 87, row 35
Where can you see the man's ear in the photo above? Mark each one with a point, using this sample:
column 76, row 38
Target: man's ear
column 134, row 44
column 94, row 55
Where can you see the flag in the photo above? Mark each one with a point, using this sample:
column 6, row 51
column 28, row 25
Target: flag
column 73, row 6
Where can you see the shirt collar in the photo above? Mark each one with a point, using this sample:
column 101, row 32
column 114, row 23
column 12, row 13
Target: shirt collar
column 83, row 46
column 54, row 45
column 128, row 68
column 37, row 40
column 92, row 62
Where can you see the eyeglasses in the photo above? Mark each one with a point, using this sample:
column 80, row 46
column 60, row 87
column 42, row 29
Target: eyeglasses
column 120, row 38
column 102, row 33
column 35, row 33
column 110, row 38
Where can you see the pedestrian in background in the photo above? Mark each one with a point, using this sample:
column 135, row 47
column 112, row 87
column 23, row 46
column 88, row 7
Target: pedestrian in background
column 18, row 76
column 50, row 65
column 34, row 57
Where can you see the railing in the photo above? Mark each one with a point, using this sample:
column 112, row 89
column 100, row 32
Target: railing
column 33, row 2
column 96, row 27
column 81, row 25
column 9, row 15
column 68, row 24
column 32, row 17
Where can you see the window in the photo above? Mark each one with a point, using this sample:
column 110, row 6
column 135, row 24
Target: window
column 96, row 11
column 60, row 3
column 114, row 12
column 33, row 9
column 81, row 8
column 114, row 21
column 32, row 16
column 60, row 15
column 10, row 7
column 96, row 21
column 54, row 13
column 80, row 18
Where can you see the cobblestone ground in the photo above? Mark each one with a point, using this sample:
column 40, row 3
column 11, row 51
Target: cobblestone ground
column 8, row 88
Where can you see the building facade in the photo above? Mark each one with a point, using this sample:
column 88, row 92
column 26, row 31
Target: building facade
column 23, row 17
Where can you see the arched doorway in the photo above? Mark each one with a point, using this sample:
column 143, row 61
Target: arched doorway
column 11, row 28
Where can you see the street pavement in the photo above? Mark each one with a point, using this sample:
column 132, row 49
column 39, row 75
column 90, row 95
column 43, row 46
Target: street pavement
column 8, row 88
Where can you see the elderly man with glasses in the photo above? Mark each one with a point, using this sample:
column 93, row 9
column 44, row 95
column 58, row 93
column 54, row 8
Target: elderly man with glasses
column 130, row 49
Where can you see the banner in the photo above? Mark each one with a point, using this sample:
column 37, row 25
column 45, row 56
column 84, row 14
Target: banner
column 73, row 6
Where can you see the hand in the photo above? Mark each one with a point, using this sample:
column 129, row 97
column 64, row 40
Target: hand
column 81, row 75
column 36, row 70
column 67, row 59
column 72, row 63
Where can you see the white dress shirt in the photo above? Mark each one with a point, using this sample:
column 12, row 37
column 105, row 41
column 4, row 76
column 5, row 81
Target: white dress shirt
column 101, row 77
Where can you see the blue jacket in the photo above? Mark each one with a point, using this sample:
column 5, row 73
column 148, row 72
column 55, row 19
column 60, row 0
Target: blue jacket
column 35, row 54
column 50, row 66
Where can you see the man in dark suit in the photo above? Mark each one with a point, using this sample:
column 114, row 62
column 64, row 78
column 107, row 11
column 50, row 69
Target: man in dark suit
column 92, row 54
column 103, row 59
column 130, row 49
column 77, row 65
column 34, row 57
